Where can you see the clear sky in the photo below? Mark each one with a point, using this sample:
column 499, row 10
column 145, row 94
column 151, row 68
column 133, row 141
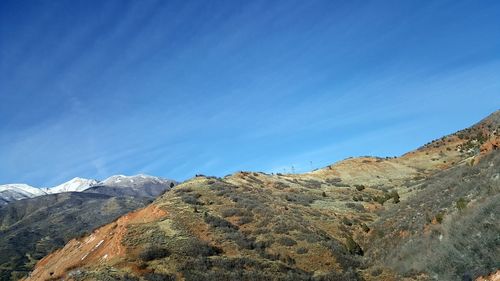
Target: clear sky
column 176, row 88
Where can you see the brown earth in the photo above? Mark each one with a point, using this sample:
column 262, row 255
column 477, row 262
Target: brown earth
column 102, row 246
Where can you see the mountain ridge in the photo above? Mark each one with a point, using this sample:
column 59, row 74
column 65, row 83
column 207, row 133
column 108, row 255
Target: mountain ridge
column 12, row 192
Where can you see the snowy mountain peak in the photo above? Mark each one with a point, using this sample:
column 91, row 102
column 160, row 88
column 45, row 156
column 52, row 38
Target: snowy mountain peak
column 18, row 191
column 22, row 188
column 75, row 184
column 122, row 180
column 144, row 185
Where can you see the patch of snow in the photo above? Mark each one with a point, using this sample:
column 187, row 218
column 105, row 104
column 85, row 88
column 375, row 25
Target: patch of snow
column 98, row 244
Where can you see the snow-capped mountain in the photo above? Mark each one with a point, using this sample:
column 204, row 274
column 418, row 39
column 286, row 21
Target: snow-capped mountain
column 130, row 181
column 18, row 191
column 74, row 185
column 119, row 185
column 137, row 186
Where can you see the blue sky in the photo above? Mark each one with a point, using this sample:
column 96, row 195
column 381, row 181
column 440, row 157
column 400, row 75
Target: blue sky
column 176, row 88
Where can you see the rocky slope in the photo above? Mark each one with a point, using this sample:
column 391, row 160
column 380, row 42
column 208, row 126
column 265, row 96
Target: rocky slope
column 33, row 227
column 431, row 214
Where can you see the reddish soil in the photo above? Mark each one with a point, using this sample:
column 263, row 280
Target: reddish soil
column 102, row 246
column 493, row 277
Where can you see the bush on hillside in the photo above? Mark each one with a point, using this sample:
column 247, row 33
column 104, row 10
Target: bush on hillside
column 153, row 253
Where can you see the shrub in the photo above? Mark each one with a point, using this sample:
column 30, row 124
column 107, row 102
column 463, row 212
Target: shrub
column 217, row 222
column 355, row 206
column 359, row 187
column 287, row 241
column 439, row 217
column 357, row 198
column 299, row 198
column 461, row 204
column 191, row 199
column 380, row 199
column 395, row 196
column 365, row 227
column 282, row 228
column 302, row 250
column 313, row 184
column 241, row 240
column 230, row 212
column 353, row 247
column 153, row 253
column 336, row 182
column 196, row 248
column 129, row 277
column 183, row 190
column 280, row 185
column 376, row 272
column 346, row 221
column 159, row 277
column 244, row 220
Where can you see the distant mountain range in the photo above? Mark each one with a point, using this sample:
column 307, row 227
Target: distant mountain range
column 118, row 185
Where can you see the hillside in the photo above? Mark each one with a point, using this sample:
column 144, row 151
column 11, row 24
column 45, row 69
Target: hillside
column 32, row 228
column 430, row 214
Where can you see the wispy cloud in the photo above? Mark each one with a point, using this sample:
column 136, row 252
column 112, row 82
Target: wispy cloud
column 177, row 88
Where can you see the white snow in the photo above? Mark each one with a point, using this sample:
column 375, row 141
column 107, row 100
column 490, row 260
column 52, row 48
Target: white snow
column 76, row 184
column 22, row 188
column 98, row 244
column 12, row 192
column 90, row 239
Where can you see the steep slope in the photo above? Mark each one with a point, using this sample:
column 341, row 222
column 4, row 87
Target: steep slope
column 32, row 228
column 449, row 229
column 360, row 219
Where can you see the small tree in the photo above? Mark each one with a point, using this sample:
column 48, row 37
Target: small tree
column 395, row 196
column 461, row 204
